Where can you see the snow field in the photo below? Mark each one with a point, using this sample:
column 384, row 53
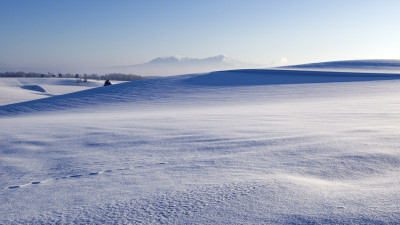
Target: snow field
column 16, row 90
column 199, row 150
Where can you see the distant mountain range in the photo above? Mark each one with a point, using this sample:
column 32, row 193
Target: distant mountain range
column 175, row 65
column 219, row 60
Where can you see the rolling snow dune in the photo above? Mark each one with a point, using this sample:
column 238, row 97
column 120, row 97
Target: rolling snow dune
column 377, row 65
column 231, row 147
column 181, row 88
column 274, row 77
column 16, row 90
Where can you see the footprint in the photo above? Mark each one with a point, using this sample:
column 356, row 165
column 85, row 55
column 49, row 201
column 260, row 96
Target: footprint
column 65, row 177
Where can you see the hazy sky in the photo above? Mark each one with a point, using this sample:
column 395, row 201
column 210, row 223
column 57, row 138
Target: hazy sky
column 73, row 34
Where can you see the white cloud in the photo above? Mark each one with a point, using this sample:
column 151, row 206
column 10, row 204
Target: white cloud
column 283, row 61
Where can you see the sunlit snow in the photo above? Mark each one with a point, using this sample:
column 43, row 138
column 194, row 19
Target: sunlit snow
column 230, row 147
column 16, row 90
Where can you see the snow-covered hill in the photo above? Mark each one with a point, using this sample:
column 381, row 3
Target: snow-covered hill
column 14, row 90
column 194, row 86
column 232, row 147
column 378, row 65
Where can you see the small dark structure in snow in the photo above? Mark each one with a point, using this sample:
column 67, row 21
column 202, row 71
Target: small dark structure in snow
column 107, row 83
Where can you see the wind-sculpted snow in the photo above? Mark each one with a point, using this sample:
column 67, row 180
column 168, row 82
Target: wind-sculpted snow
column 16, row 90
column 186, row 89
column 275, row 77
column 34, row 88
column 207, row 149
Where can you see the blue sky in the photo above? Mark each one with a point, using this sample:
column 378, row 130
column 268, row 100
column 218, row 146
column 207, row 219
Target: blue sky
column 71, row 35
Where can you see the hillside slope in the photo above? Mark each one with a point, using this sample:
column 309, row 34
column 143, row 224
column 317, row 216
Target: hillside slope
column 188, row 89
column 233, row 147
column 16, row 90
column 377, row 65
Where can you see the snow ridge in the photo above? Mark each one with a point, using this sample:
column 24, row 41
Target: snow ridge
column 373, row 65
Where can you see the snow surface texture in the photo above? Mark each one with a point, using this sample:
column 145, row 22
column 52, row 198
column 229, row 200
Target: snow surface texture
column 233, row 147
column 15, row 90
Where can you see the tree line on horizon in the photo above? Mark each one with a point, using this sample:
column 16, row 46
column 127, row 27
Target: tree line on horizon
column 110, row 76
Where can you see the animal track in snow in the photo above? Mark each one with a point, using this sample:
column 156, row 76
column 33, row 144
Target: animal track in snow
column 13, row 187
column 58, row 178
column 75, row 176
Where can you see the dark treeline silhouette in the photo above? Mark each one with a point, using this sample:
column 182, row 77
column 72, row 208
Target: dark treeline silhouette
column 19, row 74
column 116, row 76
column 111, row 76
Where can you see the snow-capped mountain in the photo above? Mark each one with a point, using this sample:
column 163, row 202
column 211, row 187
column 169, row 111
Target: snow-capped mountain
column 216, row 60
column 174, row 65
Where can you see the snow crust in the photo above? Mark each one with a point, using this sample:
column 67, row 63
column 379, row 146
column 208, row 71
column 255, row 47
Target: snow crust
column 232, row 147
